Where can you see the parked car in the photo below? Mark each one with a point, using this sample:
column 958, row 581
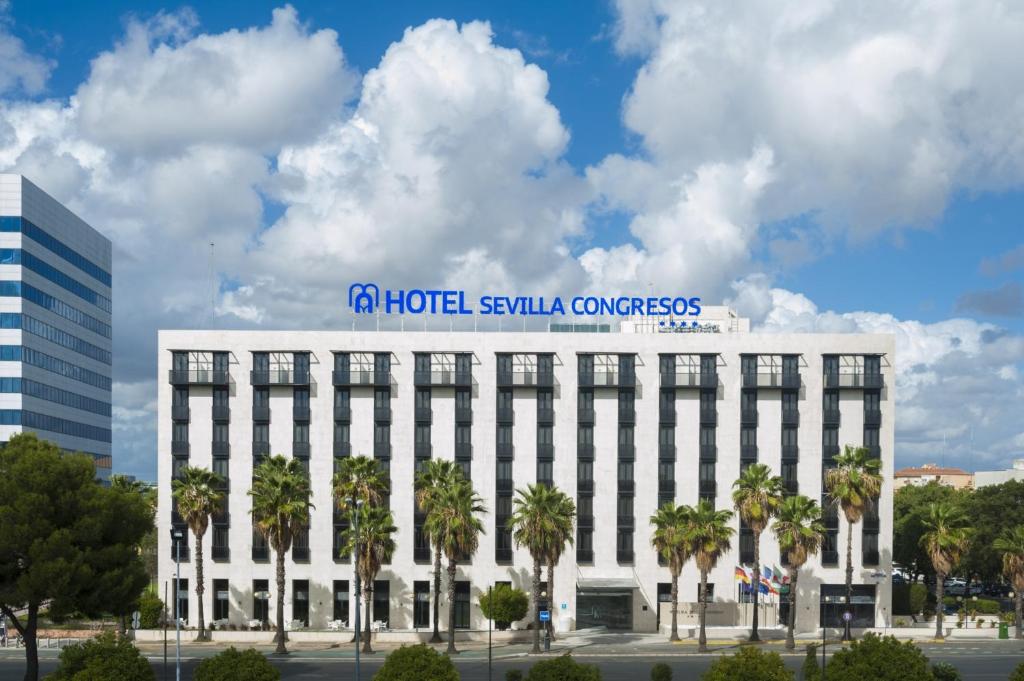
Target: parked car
column 898, row 578
column 954, row 586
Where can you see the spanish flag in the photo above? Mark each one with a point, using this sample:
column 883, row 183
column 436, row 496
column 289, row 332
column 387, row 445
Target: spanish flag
column 742, row 576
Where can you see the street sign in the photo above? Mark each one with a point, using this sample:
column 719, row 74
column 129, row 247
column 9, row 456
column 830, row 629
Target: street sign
column 136, row 619
column 545, row 615
column 847, row 616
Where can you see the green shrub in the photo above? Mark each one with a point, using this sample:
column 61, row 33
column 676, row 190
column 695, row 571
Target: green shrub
column 235, row 665
column 505, row 605
column 750, row 664
column 414, row 663
column 563, row 668
column 513, row 675
column 811, row 671
column 879, row 659
column 101, row 658
column 918, row 598
column 1018, row 673
column 151, row 611
column 982, row 606
column 661, row 672
column 943, row 671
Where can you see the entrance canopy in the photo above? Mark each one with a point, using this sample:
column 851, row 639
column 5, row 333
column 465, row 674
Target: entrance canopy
column 607, row 584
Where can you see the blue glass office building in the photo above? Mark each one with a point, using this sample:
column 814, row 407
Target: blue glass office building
column 55, row 323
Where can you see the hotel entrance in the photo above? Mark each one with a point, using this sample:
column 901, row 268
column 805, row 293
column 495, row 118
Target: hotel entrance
column 605, row 603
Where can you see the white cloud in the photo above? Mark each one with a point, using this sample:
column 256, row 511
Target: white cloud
column 19, row 68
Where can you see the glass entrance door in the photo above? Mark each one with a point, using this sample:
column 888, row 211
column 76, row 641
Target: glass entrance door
column 612, row 609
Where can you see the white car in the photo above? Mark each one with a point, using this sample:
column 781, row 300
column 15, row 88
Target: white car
column 954, row 586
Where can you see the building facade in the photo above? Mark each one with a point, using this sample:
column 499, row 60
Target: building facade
column 950, row 477
column 986, row 478
column 55, row 324
column 621, row 421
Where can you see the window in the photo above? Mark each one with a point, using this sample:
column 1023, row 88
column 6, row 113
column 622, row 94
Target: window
column 627, row 364
column 585, row 506
column 421, row 434
column 179, row 431
column 504, row 471
column 421, row 362
column 261, row 362
column 504, row 435
column 220, row 466
column 666, row 436
column 707, row 473
column 463, row 435
column 382, row 362
column 667, row 364
column 830, row 400
column 545, row 471
column 872, row 365
column 626, row 435
column 461, row 605
column 748, row 364
column 790, row 401
column 421, row 605
column 179, row 398
column 624, row 541
column 300, row 600
column 220, row 599
column 830, row 364
column 748, row 437
column 789, row 437
column 585, row 400
column 625, row 471
column 220, row 397
column 260, row 432
column 585, row 435
column 585, row 471
column 381, row 601
column 381, row 434
column 708, row 364
column 181, row 602
column 830, row 437
column 790, row 364
column 585, row 363
column 789, row 473
column 463, row 363
column 545, row 399
column 343, row 398
column 667, row 400
column 342, row 362
column 707, row 436
column 627, row 400
column 341, row 432
column 624, row 507
column 871, row 437
column 220, row 432
column 341, row 600
column 261, row 600
column 463, row 399
column 261, row 397
column 666, row 471
column 545, row 435
column 504, row 398
column 381, row 398
column 748, row 400
column 301, row 397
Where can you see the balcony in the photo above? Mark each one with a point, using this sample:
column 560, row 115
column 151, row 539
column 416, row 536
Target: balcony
column 343, row 414
column 667, row 452
column 708, row 487
column 585, row 522
column 382, row 414
column 666, row 487
column 627, row 415
column 585, row 451
column 667, row 416
column 423, row 450
column 279, row 377
column 261, row 449
column 748, row 417
column 872, row 417
column 464, row 415
column 463, row 450
column 503, row 555
column 625, row 521
column 708, row 453
column 442, row 378
column 585, row 486
column 505, row 416
column 791, row 417
column 525, row 379
column 503, row 485
column 790, row 452
column 626, row 487
column 690, row 379
column 546, row 416
column 830, row 558
column 584, row 556
column 221, row 413
column 261, row 414
column 180, row 447
column 585, row 415
column 198, row 377
column 382, row 450
column 856, row 380
column 181, row 413
column 791, row 381
column 300, row 413
column 770, row 379
column 830, row 417
column 624, row 555
column 300, row 449
column 545, row 452
column 627, row 452
column 708, row 416
column 504, row 450
column 748, row 453
column 874, row 381
column 608, row 379
column 220, row 448
column 360, row 377
column 342, row 449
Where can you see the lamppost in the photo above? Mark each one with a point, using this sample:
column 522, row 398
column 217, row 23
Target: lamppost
column 355, row 505
column 490, row 600
column 547, row 632
column 974, row 606
column 176, row 536
column 824, row 629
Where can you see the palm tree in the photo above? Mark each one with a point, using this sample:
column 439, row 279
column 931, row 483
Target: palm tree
column 853, row 484
column 669, row 540
column 533, row 526
column 437, row 475
column 198, row 496
column 359, row 478
column 454, row 525
column 374, row 545
column 757, row 495
column 562, row 534
column 945, row 541
column 1011, row 545
column 708, row 534
column 280, row 509
column 148, row 546
column 800, row 531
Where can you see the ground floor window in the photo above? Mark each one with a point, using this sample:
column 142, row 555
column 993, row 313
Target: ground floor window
column 664, row 596
column 300, row 601
column 181, row 602
column 421, row 605
column 220, row 599
column 598, row 608
column 861, row 606
column 381, row 599
column 261, row 600
column 461, row 605
column 341, row 600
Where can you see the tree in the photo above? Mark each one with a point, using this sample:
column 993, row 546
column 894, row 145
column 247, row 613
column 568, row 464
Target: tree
column 749, row 664
column 986, row 507
column 236, row 665
column 149, row 544
column 413, row 663
column 1011, row 545
column 359, row 478
column 562, row 532
column 669, row 540
column 534, row 526
column 64, row 539
column 454, row 524
column 280, row 509
column 757, row 495
column 945, row 540
column 853, row 484
column 563, row 668
column 373, row 543
column 504, row 605
column 437, row 475
column 197, row 495
column 909, row 508
column 708, row 536
column 799, row 531
column 879, row 658
column 103, row 657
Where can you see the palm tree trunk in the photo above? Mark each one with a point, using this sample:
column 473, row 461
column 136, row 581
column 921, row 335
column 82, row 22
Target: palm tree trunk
column 536, row 605
column 940, row 607
column 703, row 641
column 436, row 638
column 1019, row 598
column 280, row 650
column 757, row 587
column 451, row 607
column 849, row 577
column 367, row 602
column 200, row 587
column 791, row 624
column 550, row 624
column 675, row 606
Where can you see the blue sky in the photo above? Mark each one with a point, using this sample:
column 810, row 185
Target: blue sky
column 836, row 177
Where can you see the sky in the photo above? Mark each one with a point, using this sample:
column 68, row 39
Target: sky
column 821, row 166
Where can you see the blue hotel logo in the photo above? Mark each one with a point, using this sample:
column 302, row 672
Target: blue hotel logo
column 369, row 299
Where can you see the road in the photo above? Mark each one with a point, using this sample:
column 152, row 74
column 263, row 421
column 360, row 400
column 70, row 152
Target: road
column 977, row 661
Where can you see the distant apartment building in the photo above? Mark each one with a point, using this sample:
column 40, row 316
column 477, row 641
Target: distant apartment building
column 55, row 324
column 950, row 477
column 986, row 478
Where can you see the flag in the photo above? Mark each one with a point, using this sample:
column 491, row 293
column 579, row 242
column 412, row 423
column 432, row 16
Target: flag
column 766, row 581
column 742, row 576
column 779, row 578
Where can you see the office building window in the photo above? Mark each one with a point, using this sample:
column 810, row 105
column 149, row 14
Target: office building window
column 220, row 599
column 421, row 605
column 261, row 600
column 181, row 602
column 461, row 605
column 381, row 601
column 341, row 601
column 300, row 601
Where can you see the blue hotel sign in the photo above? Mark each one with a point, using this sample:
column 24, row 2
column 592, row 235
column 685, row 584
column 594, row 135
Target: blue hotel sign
column 369, row 299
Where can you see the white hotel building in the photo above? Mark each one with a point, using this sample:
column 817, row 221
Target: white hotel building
column 623, row 421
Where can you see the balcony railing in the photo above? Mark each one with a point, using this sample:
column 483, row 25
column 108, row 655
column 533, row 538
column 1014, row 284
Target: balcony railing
column 221, row 553
column 464, row 415
column 357, row 377
column 708, row 487
column 442, row 378
column 854, row 380
column 585, row 451
column 220, row 448
column 525, row 379
column 180, row 447
column 748, row 452
column 181, row 413
column 829, row 557
column 626, row 486
column 421, row 554
column 503, row 485
column 342, row 448
column 667, row 452
column 608, row 379
column 261, row 414
column 748, row 417
column 423, row 450
column 708, row 453
column 708, row 416
column 585, row 522
column 872, row 417
column 666, row 486
column 627, row 415
column 300, row 449
column 343, row 414
column 667, row 416
column 584, row 556
column 382, row 414
column 300, row 554
column 261, row 553
column 874, row 451
column 546, row 416
column 280, row 377
column 463, row 450
column 791, row 417
column 830, row 417
column 545, row 452
column 503, row 555
column 585, row 485
column 624, row 555
column 791, row 381
column 790, row 452
column 505, row 416
column 585, row 415
column 221, row 413
column 261, row 449
column 198, row 377
column 382, row 450
column 625, row 521
column 300, row 413
column 504, row 450
column 627, row 452
column 547, row 482
column 790, row 486
column 689, row 379
column 771, row 379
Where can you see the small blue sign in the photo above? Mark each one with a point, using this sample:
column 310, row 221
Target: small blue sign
column 545, row 615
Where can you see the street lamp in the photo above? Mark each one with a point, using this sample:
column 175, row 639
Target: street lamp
column 355, row 505
column 824, row 629
column 177, row 536
column 547, row 631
